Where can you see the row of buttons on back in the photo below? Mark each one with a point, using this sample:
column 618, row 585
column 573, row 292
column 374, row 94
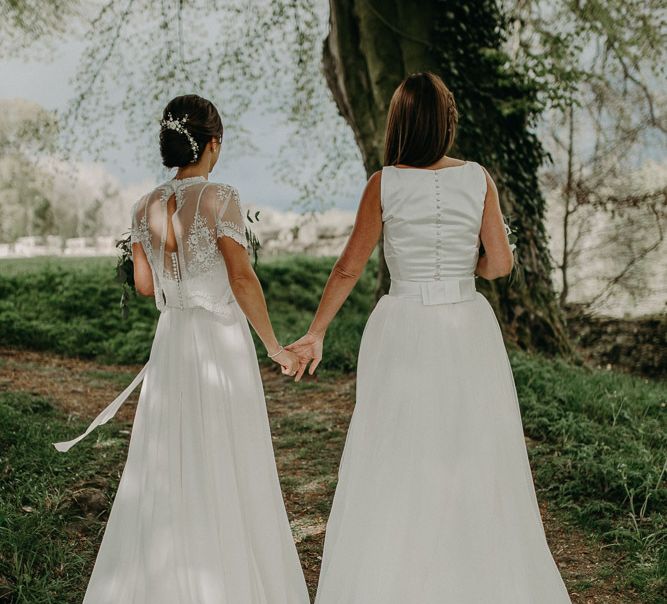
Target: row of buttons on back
column 438, row 225
column 177, row 277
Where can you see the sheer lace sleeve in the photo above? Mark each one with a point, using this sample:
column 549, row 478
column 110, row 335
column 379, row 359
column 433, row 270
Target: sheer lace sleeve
column 139, row 229
column 229, row 220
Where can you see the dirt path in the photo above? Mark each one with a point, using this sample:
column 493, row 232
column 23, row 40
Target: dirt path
column 309, row 422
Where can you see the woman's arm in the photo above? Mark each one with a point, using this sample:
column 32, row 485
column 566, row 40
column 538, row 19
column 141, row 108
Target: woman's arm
column 250, row 297
column 351, row 263
column 345, row 273
column 143, row 276
column 498, row 259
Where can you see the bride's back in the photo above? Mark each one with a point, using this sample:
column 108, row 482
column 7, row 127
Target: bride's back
column 432, row 221
column 178, row 224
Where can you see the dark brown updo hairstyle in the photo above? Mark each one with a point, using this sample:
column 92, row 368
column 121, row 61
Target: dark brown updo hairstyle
column 203, row 123
column 421, row 123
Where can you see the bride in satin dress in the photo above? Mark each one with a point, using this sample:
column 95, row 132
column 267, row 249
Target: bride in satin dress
column 198, row 517
column 435, row 502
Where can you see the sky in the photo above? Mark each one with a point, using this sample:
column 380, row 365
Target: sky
column 49, row 83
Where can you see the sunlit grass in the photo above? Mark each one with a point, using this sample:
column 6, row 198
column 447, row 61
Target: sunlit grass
column 47, row 541
column 598, row 438
column 601, row 456
column 19, row 266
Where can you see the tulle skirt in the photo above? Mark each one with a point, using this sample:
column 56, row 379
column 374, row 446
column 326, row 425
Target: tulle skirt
column 199, row 516
column 435, row 502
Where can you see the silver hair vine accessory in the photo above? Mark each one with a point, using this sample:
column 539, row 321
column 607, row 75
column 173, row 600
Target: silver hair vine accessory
column 178, row 124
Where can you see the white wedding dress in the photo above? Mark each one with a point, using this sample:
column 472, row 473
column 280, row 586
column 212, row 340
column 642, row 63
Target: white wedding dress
column 199, row 516
column 435, row 502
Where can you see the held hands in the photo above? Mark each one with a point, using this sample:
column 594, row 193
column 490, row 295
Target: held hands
column 308, row 350
column 288, row 361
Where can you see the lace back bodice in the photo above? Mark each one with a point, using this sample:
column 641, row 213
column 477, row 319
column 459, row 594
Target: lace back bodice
column 432, row 220
column 193, row 273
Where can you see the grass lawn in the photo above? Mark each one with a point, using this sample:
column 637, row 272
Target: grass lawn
column 21, row 266
column 73, row 308
column 597, row 439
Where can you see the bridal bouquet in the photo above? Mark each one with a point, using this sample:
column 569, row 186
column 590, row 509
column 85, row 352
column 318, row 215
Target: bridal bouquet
column 125, row 273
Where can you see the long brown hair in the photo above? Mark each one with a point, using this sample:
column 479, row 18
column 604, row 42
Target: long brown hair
column 421, row 123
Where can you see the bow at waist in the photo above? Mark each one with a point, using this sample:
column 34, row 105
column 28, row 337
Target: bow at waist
column 446, row 290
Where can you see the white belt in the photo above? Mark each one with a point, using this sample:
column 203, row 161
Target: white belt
column 446, row 290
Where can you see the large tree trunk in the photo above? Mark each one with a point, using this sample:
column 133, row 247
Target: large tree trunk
column 373, row 45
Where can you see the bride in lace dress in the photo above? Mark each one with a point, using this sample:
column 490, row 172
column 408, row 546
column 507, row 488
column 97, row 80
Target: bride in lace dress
column 198, row 517
column 435, row 501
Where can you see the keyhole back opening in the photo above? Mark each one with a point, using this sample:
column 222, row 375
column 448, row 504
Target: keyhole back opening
column 171, row 243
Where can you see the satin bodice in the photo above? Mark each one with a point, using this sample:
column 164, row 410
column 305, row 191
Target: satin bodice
column 432, row 220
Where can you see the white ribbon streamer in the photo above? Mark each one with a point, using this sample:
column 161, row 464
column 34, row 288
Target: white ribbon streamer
column 106, row 414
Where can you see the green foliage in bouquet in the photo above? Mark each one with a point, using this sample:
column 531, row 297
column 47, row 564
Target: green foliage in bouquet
column 252, row 238
column 125, row 273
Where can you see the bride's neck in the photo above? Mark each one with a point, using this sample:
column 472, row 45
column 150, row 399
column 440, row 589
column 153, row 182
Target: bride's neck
column 194, row 170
